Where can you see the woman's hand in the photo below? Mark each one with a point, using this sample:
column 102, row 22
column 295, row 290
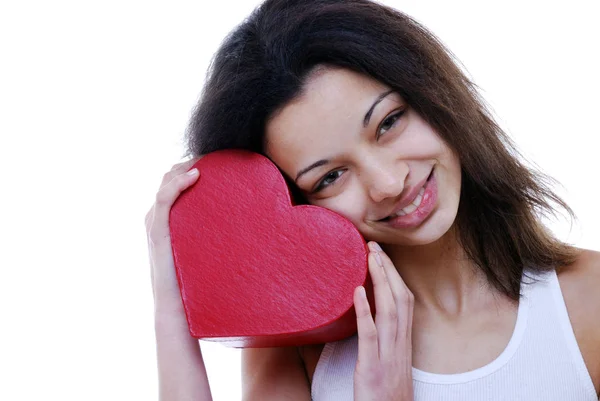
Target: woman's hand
column 181, row 370
column 165, row 287
column 384, row 367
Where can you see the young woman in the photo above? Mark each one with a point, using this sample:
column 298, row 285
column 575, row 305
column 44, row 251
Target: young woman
column 367, row 114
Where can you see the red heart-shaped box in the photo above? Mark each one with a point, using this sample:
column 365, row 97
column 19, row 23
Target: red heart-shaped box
column 256, row 271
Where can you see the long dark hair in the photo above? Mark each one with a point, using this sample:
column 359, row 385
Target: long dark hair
column 263, row 64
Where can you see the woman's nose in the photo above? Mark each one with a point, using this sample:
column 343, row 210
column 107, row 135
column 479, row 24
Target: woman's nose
column 386, row 182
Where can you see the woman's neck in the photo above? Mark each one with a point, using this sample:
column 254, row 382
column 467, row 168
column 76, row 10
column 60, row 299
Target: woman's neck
column 441, row 276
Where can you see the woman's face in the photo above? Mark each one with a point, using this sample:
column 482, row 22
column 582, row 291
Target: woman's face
column 353, row 146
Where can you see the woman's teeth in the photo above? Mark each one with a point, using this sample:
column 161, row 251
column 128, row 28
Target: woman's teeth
column 413, row 206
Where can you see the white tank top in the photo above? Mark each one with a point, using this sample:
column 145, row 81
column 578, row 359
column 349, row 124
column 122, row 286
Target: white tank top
column 542, row 360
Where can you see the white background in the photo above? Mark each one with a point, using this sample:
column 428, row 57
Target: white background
column 94, row 99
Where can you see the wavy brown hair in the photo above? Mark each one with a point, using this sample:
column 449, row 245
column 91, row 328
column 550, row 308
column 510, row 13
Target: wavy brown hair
column 263, row 64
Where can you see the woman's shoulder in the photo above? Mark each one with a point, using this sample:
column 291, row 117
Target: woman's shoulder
column 580, row 281
column 580, row 286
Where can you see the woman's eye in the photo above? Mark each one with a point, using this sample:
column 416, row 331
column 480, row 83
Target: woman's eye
column 388, row 123
column 329, row 179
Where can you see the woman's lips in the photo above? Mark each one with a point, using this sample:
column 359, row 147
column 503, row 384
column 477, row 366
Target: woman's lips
column 423, row 211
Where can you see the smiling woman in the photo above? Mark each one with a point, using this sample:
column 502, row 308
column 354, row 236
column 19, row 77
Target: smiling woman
column 475, row 297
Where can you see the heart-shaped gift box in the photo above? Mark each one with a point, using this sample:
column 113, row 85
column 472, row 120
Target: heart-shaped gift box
column 254, row 269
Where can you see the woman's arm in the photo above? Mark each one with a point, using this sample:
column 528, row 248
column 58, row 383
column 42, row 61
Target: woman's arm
column 580, row 283
column 181, row 371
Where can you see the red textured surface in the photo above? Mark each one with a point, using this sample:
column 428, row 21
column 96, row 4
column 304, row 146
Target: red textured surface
column 255, row 271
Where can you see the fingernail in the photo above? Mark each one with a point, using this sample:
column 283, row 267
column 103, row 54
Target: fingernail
column 378, row 259
column 362, row 292
column 376, row 246
column 193, row 171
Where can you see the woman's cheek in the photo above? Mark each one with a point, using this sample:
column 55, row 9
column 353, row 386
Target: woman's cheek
column 348, row 205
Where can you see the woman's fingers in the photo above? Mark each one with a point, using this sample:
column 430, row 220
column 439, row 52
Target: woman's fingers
column 403, row 299
column 378, row 336
column 165, row 198
column 386, row 313
column 167, row 177
column 178, row 169
column 383, row 368
column 368, row 344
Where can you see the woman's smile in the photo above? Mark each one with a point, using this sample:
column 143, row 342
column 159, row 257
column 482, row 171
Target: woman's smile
column 419, row 208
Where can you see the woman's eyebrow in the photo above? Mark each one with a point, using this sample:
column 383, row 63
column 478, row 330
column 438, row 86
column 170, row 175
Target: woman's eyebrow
column 370, row 112
column 365, row 123
column 307, row 169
